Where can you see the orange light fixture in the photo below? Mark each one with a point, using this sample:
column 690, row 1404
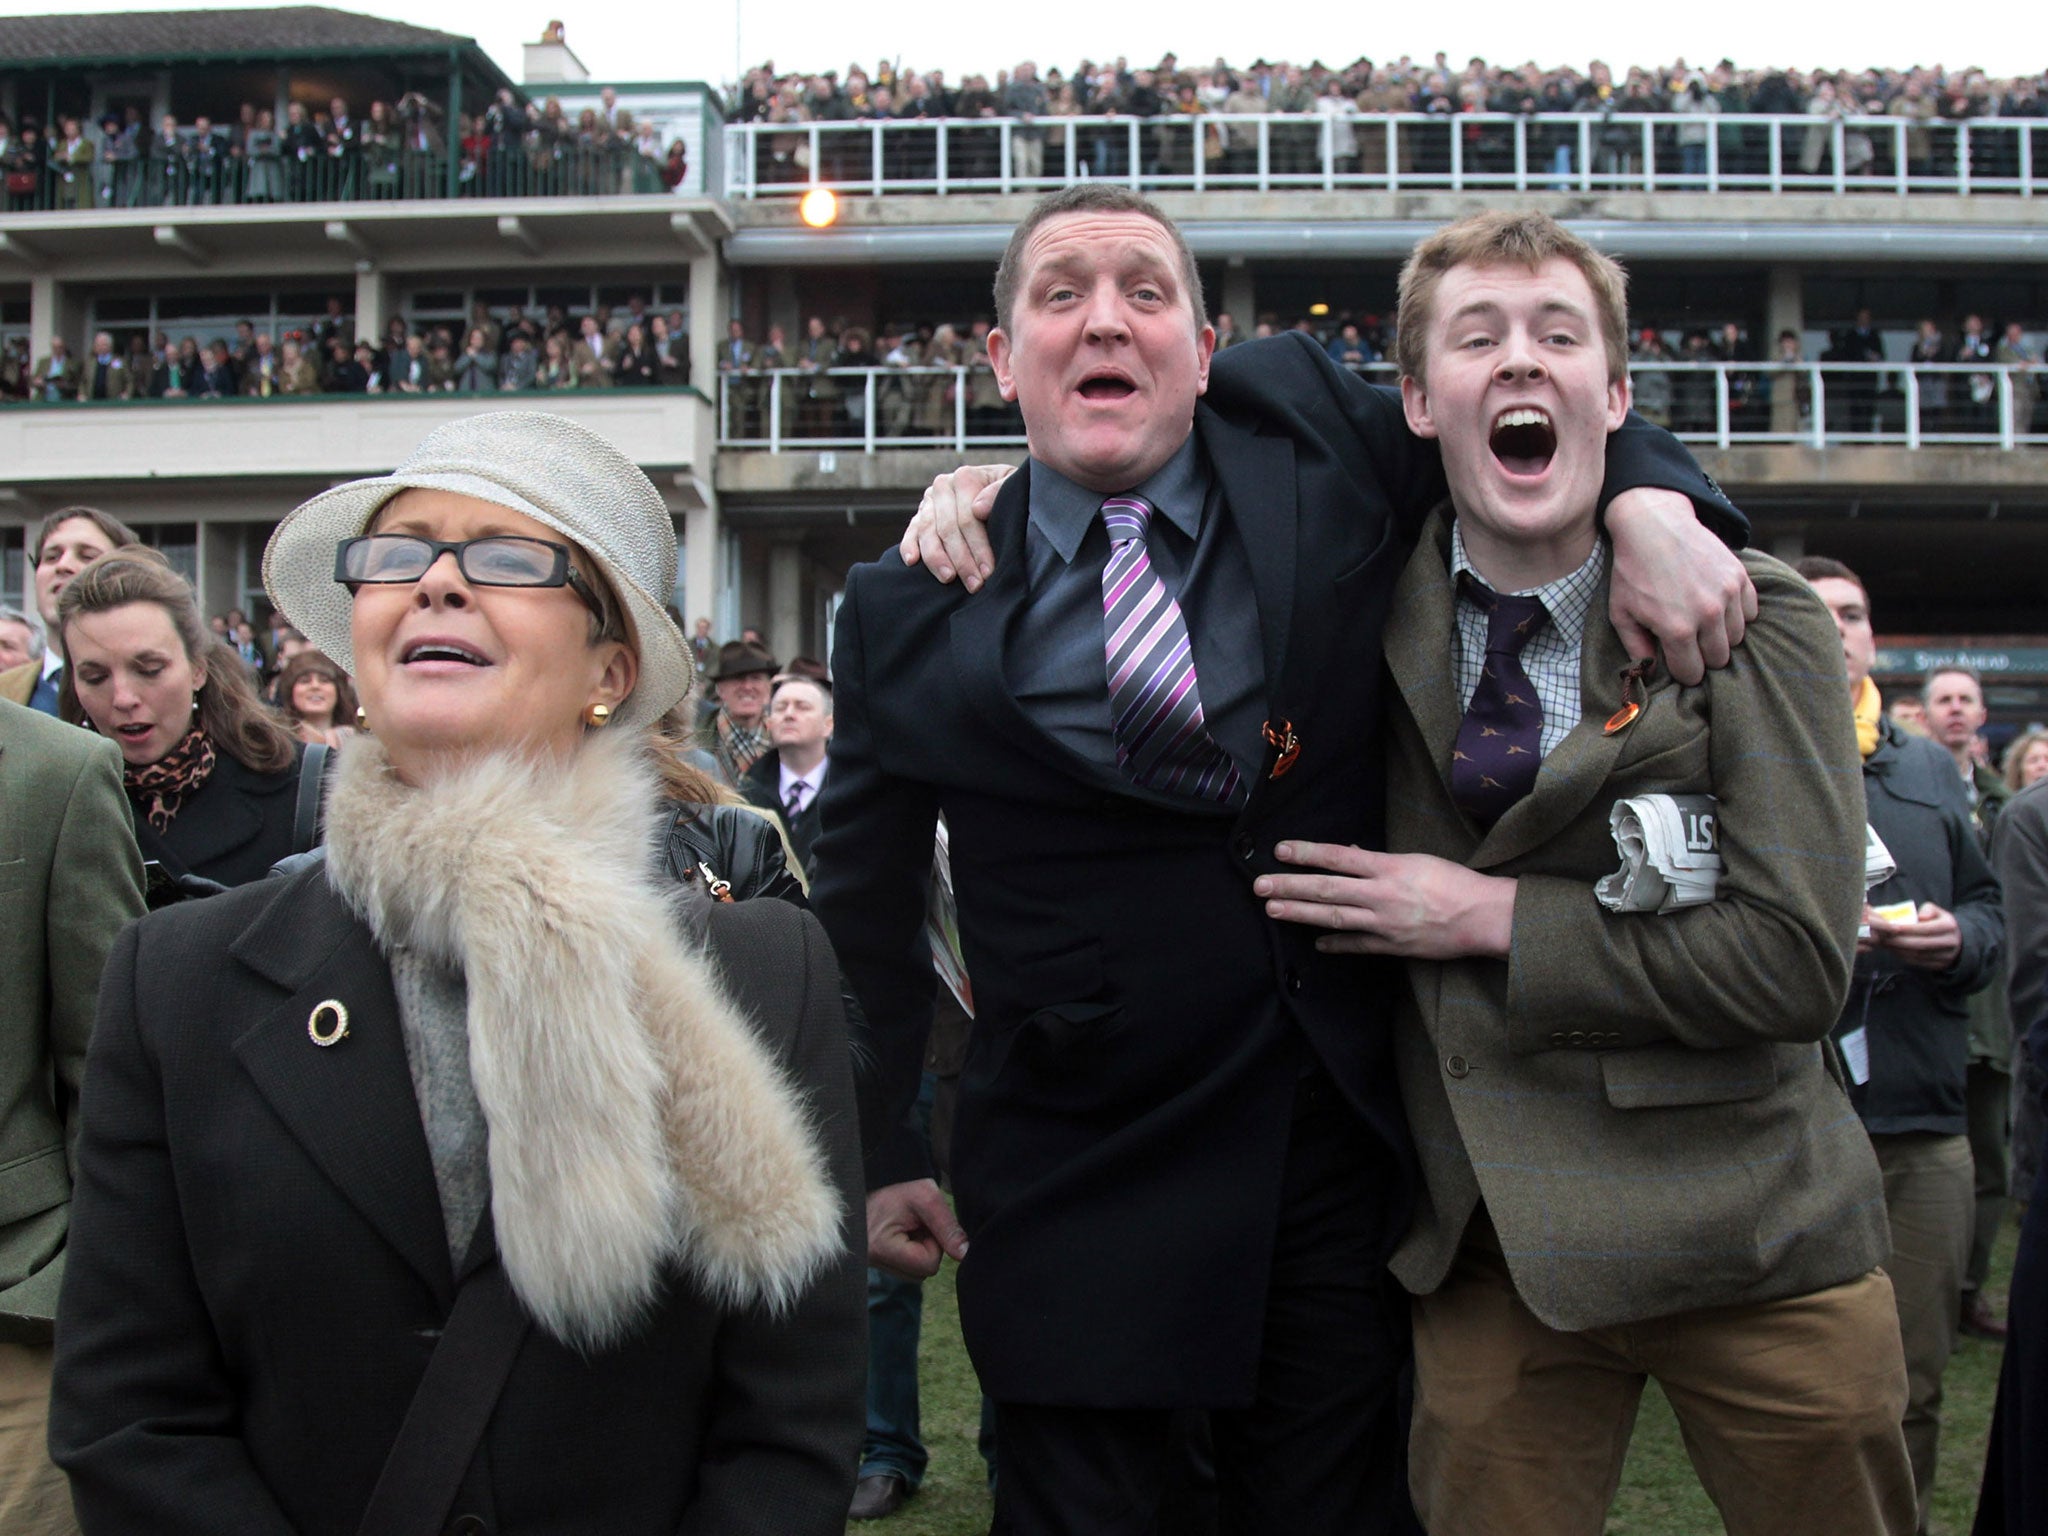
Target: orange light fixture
column 820, row 208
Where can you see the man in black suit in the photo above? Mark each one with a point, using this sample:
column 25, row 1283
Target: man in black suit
column 789, row 777
column 1179, row 1152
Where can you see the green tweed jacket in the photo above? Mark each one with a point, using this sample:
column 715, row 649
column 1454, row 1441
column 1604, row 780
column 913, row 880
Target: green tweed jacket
column 70, row 879
column 1643, row 1101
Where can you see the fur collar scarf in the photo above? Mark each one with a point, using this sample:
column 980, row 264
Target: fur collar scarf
column 636, row 1121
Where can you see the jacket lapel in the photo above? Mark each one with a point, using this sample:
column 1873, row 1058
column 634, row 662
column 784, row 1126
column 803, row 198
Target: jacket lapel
column 984, row 626
column 1418, row 644
column 1257, row 476
column 350, row 1104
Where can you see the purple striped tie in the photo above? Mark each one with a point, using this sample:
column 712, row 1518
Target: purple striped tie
column 1162, row 741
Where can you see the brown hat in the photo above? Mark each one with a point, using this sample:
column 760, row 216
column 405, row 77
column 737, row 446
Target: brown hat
column 740, row 658
column 808, row 668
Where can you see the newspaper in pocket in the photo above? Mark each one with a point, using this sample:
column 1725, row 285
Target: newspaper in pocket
column 1670, row 853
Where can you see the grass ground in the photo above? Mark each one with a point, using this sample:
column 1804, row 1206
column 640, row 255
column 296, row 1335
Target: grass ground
column 1659, row 1495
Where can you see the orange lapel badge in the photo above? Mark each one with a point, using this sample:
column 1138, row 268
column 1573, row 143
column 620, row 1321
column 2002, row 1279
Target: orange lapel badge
column 1633, row 683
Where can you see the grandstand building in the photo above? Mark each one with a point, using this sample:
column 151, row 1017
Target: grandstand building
column 1931, row 481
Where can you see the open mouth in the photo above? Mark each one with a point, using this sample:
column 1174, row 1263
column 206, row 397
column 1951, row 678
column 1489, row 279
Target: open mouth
column 442, row 650
column 135, row 731
column 1107, row 386
column 1523, row 440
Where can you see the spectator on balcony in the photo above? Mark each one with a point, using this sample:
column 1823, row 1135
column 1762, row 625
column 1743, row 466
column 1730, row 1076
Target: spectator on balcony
column 592, row 355
column 557, row 368
column 296, row 373
column 635, row 364
column 121, row 158
column 1979, row 405
column 819, row 410
column 376, row 378
column 71, row 161
column 672, row 345
column 57, row 374
column 1929, row 346
column 14, row 370
column 411, row 371
column 264, row 149
column 106, row 375
column 216, row 380
column 304, row 150
column 520, row 365
column 348, row 372
column 259, row 369
column 175, row 375
column 1692, row 391
column 1694, row 101
column 1651, row 385
column 2012, row 349
column 1025, row 99
column 476, row 371
column 675, row 168
column 380, row 143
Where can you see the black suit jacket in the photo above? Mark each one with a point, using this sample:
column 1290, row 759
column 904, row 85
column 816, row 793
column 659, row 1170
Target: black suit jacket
column 258, row 1266
column 1140, row 1023
column 762, row 785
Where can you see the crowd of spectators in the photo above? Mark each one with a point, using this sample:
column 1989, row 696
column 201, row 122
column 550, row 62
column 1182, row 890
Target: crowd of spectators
column 1924, row 97
column 395, row 150
column 913, row 398
column 497, row 351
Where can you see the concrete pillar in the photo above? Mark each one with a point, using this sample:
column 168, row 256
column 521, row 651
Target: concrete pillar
column 220, row 565
column 373, row 303
column 701, row 561
column 783, row 308
column 707, row 321
column 1784, row 306
column 1239, row 297
column 1784, row 310
column 786, row 628
column 55, row 309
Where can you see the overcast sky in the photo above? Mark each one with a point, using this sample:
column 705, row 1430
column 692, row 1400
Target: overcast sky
column 621, row 41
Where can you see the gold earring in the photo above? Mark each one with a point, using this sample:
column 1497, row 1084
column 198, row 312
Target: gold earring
column 362, row 718
column 598, row 716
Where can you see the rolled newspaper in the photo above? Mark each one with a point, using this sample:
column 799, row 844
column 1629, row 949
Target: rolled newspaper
column 1670, row 858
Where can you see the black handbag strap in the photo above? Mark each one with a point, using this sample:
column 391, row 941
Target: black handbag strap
column 306, row 814
column 449, row 1410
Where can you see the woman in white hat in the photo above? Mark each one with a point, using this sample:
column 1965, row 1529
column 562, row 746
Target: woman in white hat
column 464, row 1180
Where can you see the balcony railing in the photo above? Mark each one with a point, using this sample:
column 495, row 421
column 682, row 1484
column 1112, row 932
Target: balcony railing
column 1480, row 151
column 1822, row 405
column 351, row 176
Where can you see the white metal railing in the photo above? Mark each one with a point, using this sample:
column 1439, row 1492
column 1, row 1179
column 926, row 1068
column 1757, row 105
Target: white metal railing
column 1490, row 151
column 1723, row 404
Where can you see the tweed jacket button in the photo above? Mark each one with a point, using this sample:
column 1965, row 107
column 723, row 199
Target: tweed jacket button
column 1558, row 1038
column 1578, row 1037
column 1457, row 1066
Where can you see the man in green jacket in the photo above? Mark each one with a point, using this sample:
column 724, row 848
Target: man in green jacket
column 70, row 879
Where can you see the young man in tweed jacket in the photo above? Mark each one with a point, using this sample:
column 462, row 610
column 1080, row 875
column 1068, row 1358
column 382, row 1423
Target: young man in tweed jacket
column 1638, row 1159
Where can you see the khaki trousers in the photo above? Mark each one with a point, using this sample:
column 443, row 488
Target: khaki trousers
column 1930, row 1194
column 35, row 1499
column 1790, row 1410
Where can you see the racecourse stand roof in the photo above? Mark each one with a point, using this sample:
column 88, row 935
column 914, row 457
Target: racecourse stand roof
column 299, row 31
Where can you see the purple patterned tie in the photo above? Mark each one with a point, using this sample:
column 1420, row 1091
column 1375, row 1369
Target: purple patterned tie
column 1161, row 740
column 1500, row 743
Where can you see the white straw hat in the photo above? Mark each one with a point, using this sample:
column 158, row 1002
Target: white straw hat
column 548, row 468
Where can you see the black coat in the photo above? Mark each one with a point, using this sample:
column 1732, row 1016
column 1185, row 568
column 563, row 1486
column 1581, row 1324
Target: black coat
column 1140, row 1024
column 1918, row 1022
column 258, row 1266
column 232, row 828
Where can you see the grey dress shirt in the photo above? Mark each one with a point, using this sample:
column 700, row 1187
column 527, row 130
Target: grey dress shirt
column 1057, row 667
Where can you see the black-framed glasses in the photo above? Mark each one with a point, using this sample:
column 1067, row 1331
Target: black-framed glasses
column 497, row 560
